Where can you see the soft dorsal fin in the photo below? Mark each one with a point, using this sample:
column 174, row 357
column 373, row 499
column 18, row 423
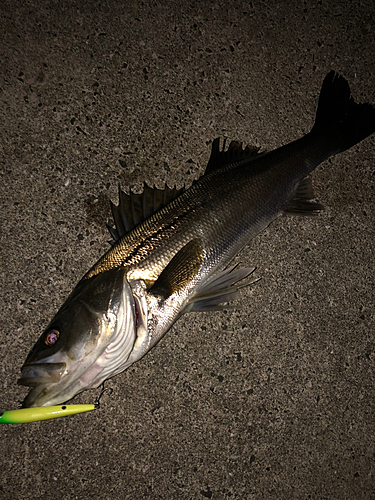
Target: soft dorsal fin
column 133, row 209
column 234, row 153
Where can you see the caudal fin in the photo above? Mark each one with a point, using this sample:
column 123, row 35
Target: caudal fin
column 336, row 109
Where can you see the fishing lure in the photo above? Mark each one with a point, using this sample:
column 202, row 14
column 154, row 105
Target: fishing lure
column 26, row 415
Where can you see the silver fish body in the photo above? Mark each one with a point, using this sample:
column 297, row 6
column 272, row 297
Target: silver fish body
column 175, row 260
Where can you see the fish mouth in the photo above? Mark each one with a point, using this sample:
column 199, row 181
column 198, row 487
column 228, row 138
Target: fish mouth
column 30, row 399
column 34, row 374
column 39, row 376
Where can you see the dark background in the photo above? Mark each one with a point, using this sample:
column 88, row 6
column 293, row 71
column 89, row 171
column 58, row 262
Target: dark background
column 272, row 400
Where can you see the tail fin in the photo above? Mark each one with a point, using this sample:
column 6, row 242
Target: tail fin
column 337, row 109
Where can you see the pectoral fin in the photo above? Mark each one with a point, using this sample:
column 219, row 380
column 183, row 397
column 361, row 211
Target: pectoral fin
column 180, row 271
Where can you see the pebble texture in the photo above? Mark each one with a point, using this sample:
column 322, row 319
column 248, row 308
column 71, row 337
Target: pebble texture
column 272, row 400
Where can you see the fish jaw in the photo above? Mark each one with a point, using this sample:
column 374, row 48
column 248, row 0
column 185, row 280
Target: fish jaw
column 54, row 383
column 39, row 373
column 38, row 376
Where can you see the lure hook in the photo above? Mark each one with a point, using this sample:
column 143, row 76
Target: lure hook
column 102, row 391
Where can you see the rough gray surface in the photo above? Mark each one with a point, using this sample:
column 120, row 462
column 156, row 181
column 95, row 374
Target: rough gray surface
column 274, row 400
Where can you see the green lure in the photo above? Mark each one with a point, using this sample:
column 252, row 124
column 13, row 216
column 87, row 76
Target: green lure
column 26, row 415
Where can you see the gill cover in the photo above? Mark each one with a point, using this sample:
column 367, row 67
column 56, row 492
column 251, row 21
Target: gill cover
column 88, row 340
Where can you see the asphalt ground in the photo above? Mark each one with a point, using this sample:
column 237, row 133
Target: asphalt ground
column 271, row 400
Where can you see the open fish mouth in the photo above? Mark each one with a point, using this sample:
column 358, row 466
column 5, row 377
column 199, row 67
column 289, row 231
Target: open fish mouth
column 39, row 376
column 33, row 395
column 35, row 374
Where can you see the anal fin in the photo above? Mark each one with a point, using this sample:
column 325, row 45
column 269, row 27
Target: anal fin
column 301, row 203
column 221, row 288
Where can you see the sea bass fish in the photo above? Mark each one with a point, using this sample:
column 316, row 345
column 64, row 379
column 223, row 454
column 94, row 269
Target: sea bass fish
column 172, row 249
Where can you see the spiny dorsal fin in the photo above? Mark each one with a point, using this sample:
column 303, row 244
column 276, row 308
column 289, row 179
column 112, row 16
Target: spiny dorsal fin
column 234, row 153
column 133, row 209
column 300, row 204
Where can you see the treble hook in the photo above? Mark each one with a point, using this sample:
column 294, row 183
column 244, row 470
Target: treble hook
column 102, row 391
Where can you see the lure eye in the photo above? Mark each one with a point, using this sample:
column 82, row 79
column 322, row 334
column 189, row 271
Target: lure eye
column 51, row 337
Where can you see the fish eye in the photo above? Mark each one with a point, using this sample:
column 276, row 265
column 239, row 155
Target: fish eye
column 51, row 337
